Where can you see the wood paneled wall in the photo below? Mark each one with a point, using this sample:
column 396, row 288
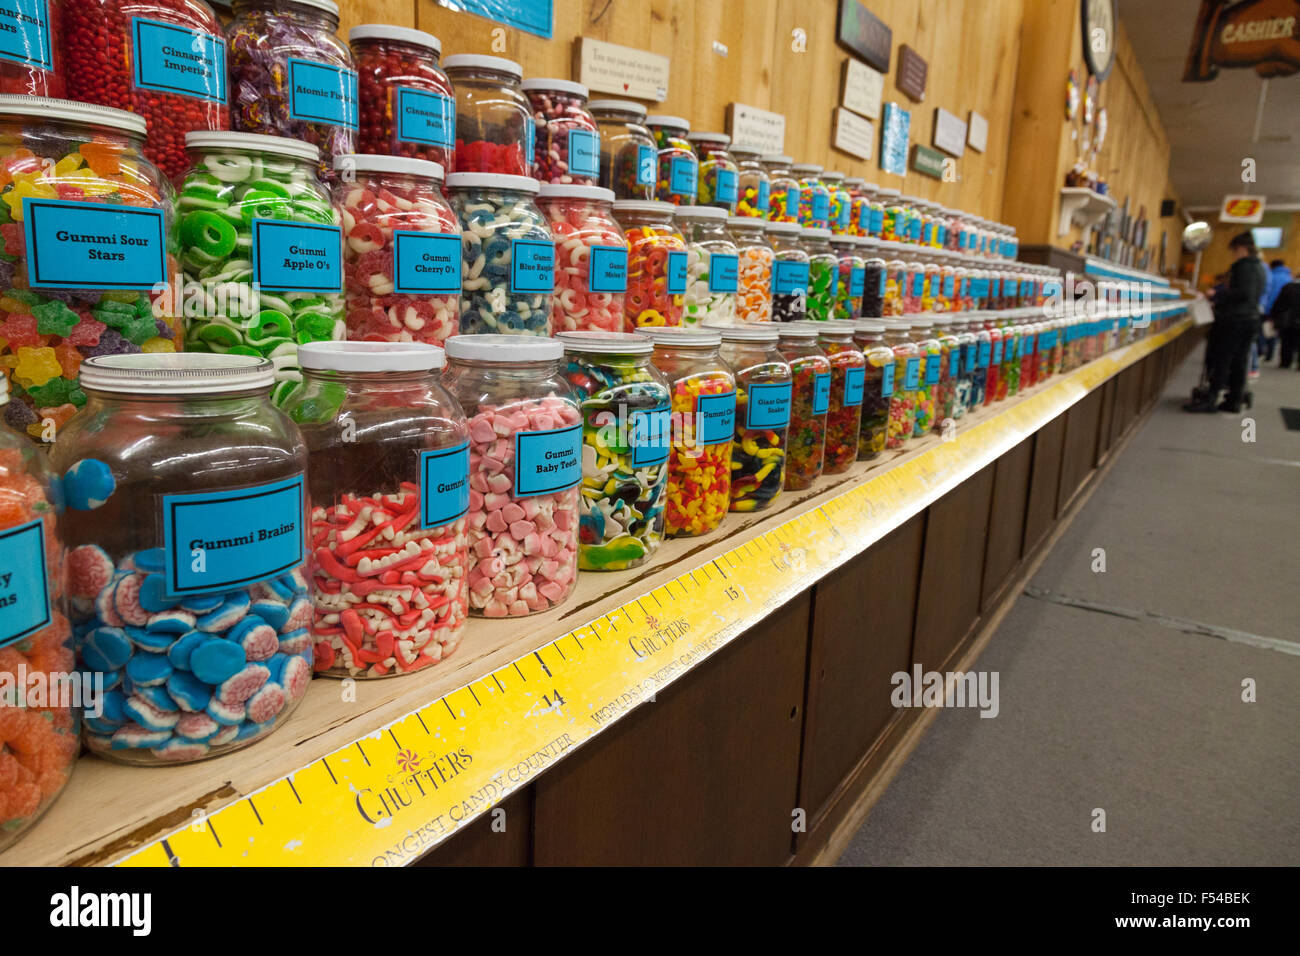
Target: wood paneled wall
column 972, row 47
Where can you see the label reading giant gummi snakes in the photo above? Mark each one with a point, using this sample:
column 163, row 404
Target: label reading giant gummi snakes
column 297, row 256
column 769, row 405
column 444, row 485
column 172, row 59
column 425, row 263
column 323, row 93
column 82, row 245
column 532, row 266
column 425, row 118
column 25, row 33
column 24, row 582
column 219, row 540
column 547, row 461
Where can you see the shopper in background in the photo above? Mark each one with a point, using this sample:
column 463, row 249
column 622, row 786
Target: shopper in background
column 1278, row 276
column 1236, row 326
column 1285, row 315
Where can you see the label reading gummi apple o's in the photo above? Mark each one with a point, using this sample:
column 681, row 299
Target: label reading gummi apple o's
column 173, row 59
column 322, row 93
column 24, row 583
column 297, row 256
column 547, row 461
column 425, row 117
column 87, row 245
column 444, row 485
column 25, row 33
column 219, row 540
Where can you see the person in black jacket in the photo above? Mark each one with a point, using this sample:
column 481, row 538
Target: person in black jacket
column 1286, row 316
column 1236, row 325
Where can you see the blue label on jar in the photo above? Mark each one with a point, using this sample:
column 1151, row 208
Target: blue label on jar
column 997, row 352
column 715, row 418
column 425, row 117
column 968, row 357
column 857, row 282
column 173, row 59
column 724, row 272
column 764, row 196
column 933, row 368
column 876, row 224
column 86, row 245
column 608, row 269
column 532, row 265
column 792, row 203
column 425, row 263
column 24, row 582
column 444, row 485
column 918, row 284
column 725, row 185
column 912, row 375
column 954, row 362
column 846, row 209
column 914, row 229
column 297, row 256
column 322, row 93
column 676, row 273
column 682, row 176
column 530, row 143
column 584, row 152
column 645, row 165
column 25, row 33
column 855, row 383
column 884, row 283
column 984, row 352
column 789, row 276
column 221, row 540
column 821, row 393
column 547, row 461
column 769, row 405
column 995, row 288
column 651, row 436
column 821, row 206
column 887, row 380
column 927, row 233
column 949, row 286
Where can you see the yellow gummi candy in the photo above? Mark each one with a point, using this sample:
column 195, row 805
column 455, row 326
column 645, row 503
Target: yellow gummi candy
column 157, row 344
column 36, row 366
column 25, row 186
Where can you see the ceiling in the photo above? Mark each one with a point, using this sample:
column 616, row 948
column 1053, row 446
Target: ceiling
column 1211, row 125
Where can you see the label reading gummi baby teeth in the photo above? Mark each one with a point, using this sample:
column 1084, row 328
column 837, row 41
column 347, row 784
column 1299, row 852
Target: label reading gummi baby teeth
column 715, row 418
column 172, row 59
column 25, row 33
column 425, row 264
column 769, row 405
column 821, row 393
column 650, row 436
column 682, row 177
column 726, row 188
column 676, row 272
column 297, row 256
column 322, row 93
column 855, row 380
column 547, row 461
column 82, row 245
column 584, row 152
column 532, row 266
column 220, row 540
column 724, row 272
column 425, row 118
column 24, row 594
column 444, row 485
column 645, row 165
column 608, row 269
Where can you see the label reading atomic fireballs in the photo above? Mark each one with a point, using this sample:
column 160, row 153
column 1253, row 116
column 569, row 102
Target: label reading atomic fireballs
column 547, row 461
column 444, row 485
column 24, row 582
column 322, row 93
column 532, row 265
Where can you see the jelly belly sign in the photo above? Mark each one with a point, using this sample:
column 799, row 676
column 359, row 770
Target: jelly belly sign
column 1263, row 35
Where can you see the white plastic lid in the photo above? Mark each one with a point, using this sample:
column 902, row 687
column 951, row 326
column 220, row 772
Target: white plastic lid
column 797, row 330
column 664, row 119
column 816, row 232
column 470, row 61
column 869, row 325
column 700, row 212
column 382, row 31
column 834, row 177
column 722, row 138
column 567, row 191
column 622, row 106
column 888, row 192
column 329, row 6
column 554, row 83
column 643, row 205
column 874, row 187
column 747, row 221
column 839, row 326
column 776, row 158
column 746, row 333
column 224, row 139
column 609, row 343
column 785, row 228
column 806, row 168
column 176, row 373
column 504, row 348
column 71, row 111
column 371, row 356
column 683, row 338
column 377, row 163
column 519, row 184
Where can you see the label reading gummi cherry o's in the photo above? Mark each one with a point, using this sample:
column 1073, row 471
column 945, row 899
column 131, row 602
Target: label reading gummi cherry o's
column 769, row 405
column 887, row 380
column 715, row 418
column 297, row 256
column 677, row 273
column 650, row 436
column 725, row 190
column 724, row 272
column 24, row 583
column 855, row 380
column 608, row 269
column 444, row 485
column 821, row 393
column 322, row 93
column 682, row 176
column 532, row 266
column 547, row 461
column 425, row 117
column 85, row 245
column 172, row 59
column 219, row 540
column 584, row 152
column 645, row 165
column 25, row 33
column 425, row 263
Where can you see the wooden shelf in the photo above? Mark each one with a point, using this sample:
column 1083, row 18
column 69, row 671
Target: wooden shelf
column 1083, row 207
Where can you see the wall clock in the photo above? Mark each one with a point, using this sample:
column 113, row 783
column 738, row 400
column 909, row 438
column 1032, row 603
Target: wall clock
column 1099, row 25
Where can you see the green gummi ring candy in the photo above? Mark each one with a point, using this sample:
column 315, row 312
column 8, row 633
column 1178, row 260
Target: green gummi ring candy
column 262, row 204
column 218, row 335
column 271, row 323
column 314, row 327
column 209, row 233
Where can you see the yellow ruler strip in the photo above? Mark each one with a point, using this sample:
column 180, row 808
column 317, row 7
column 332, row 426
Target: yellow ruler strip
column 391, row 796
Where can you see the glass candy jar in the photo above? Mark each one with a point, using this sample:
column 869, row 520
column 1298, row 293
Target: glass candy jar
column 754, row 295
column 407, row 107
column 495, row 132
column 591, row 258
column 712, row 266
column 810, row 396
column 753, row 196
column 628, row 152
column 656, row 264
column 783, row 189
column 878, row 388
column 790, row 272
column 763, row 395
column 848, row 386
column 678, row 169
column 719, row 182
column 566, row 143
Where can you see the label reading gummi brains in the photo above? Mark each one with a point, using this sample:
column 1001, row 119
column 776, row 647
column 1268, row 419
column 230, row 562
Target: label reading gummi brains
column 322, row 93
column 297, row 256
column 608, row 269
column 584, row 152
column 425, row 117
column 425, row 264
column 677, row 273
column 651, row 434
column 726, row 186
column 645, row 165
column 715, row 418
column 887, row 380
column 444, row 485
column 855, row 380
column 81, row 245
column 769, row 405
column 821, row 393
column 547, row 461
column 724, row 272
column 532, row 266
column 219, row 540
column 172, row 59
column 24, row 582
column 682, row 176
column 25, row 33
